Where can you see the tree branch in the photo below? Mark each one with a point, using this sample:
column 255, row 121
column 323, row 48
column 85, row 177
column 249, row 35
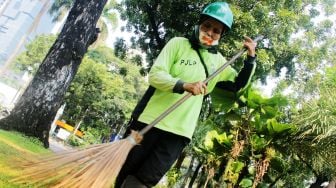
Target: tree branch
column 151, row 16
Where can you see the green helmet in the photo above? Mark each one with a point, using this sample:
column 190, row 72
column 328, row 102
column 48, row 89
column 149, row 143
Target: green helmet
column 219, row 11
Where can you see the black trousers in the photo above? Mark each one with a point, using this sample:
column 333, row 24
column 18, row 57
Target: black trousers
column 150, row 160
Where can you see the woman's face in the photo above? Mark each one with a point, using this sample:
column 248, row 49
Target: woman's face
column 210, row 32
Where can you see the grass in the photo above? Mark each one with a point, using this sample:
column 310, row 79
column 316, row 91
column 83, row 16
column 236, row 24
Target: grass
column 15, row 146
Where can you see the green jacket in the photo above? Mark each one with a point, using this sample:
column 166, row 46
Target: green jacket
column 177, row 63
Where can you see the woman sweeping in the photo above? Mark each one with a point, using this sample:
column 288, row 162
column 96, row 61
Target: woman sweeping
column 181, row 67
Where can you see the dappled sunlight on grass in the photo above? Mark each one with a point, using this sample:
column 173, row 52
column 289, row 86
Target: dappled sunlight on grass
column 7, row 153
column 16, row 147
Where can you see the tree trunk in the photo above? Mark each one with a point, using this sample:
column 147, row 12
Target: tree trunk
column 36, row 109
column 221, row 170
column 189, row 171
column 193, row 178
column 180, row 160
column 202, row 178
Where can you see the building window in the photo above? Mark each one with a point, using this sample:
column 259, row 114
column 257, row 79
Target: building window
column 17, row 5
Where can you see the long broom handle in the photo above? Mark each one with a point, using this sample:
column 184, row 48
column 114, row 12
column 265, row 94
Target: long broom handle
column 185, row 97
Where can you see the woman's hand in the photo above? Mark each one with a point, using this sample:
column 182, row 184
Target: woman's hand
column 195, row 88
column 250, row 45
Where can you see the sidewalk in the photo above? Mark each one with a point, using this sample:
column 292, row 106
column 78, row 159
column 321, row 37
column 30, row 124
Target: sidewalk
column 57, row 146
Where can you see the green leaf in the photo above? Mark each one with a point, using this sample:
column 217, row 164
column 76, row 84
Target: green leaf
column 270, row 112
column 237, row 166
column 277, row 101
column 222, row 100
column 275, row 128
column 257, row 123
column 246, row 183
column 253, row 100
column 208, row 141
column 251, row 170
column 215, row 141
column 224, row 139
column 258, row 143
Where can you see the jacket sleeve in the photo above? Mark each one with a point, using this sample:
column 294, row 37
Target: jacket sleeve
column 243, row 78
column 159, row 75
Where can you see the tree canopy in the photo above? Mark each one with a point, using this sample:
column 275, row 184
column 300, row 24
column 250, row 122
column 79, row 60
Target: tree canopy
column 155, row 22
column 35, row 52
column 100, row 97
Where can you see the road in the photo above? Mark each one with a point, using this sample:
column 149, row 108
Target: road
column 57, row 146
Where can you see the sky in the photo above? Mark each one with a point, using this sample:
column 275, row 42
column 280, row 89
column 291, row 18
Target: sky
column 114, row 33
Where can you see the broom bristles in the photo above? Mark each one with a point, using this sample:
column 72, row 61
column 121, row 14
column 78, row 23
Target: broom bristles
column 96, row 166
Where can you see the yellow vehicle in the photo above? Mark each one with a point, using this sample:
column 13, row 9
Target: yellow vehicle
column 69, row 128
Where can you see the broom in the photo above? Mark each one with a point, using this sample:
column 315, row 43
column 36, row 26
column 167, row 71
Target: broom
column 97, row 165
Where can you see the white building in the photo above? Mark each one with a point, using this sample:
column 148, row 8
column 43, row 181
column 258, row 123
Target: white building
column 20, row 22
